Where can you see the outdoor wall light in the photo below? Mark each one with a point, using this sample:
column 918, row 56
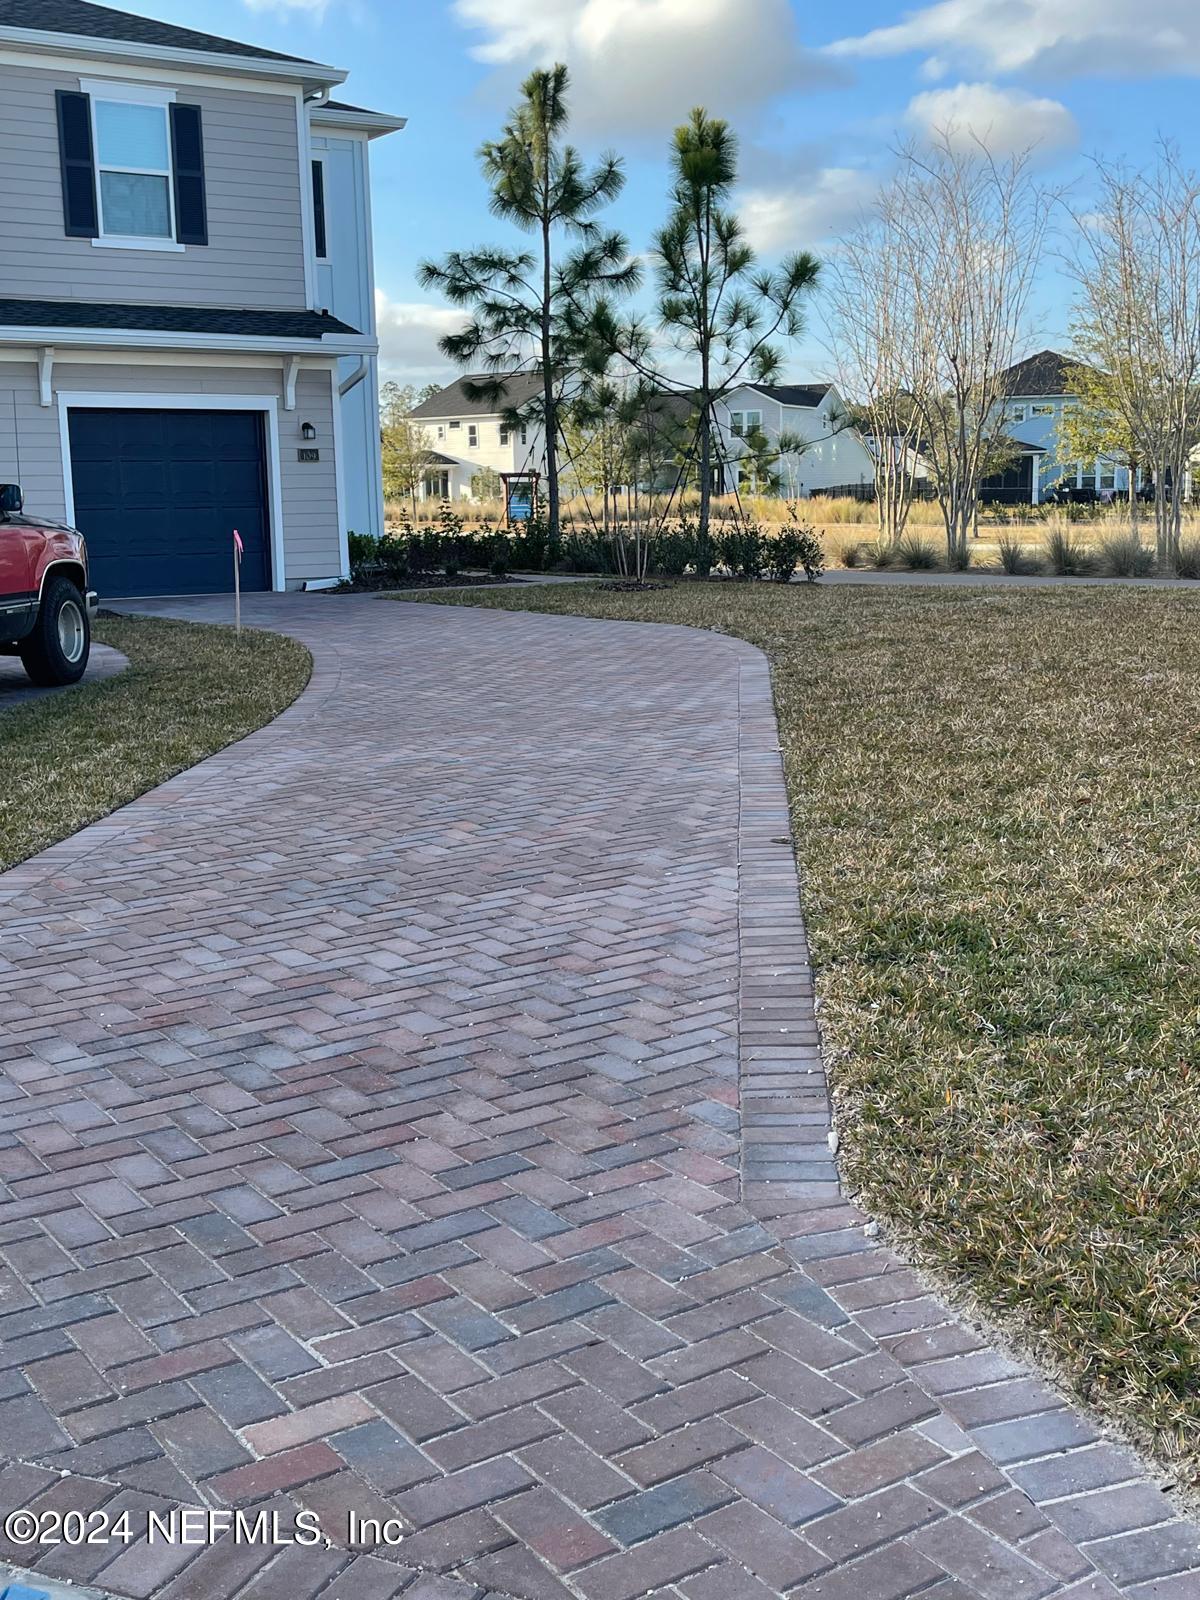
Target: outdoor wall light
column 307, row 431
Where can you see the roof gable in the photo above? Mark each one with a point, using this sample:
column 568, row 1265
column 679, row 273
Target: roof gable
column 454, row 401
column 805, row 395
column 89, row 21
column 1042, row 374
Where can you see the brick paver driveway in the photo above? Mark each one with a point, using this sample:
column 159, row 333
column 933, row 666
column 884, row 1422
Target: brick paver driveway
column 415, row 1111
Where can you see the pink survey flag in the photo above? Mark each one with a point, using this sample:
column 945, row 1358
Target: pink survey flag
column 237, row 544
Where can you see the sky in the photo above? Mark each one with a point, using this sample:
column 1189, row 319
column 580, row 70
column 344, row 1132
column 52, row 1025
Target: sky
column 820, row 96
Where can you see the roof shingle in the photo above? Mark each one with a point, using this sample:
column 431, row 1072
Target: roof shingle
column 102, row 22
column 223, row 320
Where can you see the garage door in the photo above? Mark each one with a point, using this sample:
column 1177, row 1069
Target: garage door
column 159, row 493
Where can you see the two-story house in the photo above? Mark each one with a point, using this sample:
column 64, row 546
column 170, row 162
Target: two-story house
column 471, row 441
column 187, row 335
column 806, row 429
column 1038, row 394
column 808, row 443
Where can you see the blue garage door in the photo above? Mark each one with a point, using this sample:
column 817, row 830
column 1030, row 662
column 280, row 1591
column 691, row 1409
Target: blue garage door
column 159, row 493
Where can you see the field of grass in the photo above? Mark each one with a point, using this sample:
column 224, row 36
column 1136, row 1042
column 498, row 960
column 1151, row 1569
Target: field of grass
column 74, row 756
column 995, row 798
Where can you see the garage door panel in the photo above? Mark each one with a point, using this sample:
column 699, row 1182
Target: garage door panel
column 159, row 493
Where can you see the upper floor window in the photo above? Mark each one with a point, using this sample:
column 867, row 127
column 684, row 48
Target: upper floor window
column 441, row 431
column 132, row 167
column 318, row 187
column 1041, row 411
column 1016, row 413
column 742, row 423
column 133, row 160
column 504, row 435
column 472, row 435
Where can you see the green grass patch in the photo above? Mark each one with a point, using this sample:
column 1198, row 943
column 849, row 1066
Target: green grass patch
column 76, row 755
column 996, row 803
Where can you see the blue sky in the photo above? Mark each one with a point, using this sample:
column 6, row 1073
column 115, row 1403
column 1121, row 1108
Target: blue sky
column 819, row 94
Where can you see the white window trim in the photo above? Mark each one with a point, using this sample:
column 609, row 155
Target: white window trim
column 132, row 94
column 268, row 404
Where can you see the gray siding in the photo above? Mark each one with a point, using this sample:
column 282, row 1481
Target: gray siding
column 255, row 254
column 30, row 442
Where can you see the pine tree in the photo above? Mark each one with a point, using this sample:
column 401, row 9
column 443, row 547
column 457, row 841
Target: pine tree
column 530, row 308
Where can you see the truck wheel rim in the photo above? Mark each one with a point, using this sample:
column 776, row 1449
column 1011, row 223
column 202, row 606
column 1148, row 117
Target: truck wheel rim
column 70, row 632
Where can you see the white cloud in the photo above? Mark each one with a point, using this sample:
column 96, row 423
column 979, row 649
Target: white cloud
column 408, row 339
column 641, row 65
column 798, row 215
column 1061, row 37
column 1005, row 120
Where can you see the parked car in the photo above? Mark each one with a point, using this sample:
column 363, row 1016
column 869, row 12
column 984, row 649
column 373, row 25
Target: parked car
column 46, row 606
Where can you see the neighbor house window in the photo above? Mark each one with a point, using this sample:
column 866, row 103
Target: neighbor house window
column 1016, row 413
column 503, row 435
column 744, row 422
column 441, row 432
column 524, row 435
column 133, row 165
column 1106, row 474
column 472, row 435
column 320, row 236
column 1041, row 411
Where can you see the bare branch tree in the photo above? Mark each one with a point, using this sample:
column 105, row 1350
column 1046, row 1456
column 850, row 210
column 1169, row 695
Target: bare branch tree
column 870, row 335
column 965, row 232
column 1137, row 274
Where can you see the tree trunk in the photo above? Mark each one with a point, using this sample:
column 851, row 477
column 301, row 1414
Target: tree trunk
column 705, row 467
column 549, row 400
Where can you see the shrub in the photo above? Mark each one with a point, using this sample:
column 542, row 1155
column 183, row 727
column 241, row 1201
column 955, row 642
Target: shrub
column 1124, row 556
column 1067, row 556
column 878, row 554
column 742, row 551
column 499, row 555
column 363, row 549
column 783, row 554
column 1188, row 564
column 851, row 555
column 915, row 553
column 672, row 554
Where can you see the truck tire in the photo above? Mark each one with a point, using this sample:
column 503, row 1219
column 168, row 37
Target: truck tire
column 57, row 650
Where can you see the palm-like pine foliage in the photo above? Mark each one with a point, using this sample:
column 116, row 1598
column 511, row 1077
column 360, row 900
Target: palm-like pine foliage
column 531, row 309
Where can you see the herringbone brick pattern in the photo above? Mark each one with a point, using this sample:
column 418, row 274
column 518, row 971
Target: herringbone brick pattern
column 416, row 1110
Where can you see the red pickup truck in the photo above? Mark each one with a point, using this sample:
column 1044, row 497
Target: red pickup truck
column 45, row 603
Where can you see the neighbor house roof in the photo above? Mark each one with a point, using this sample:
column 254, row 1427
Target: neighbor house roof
column 792, row 394
column 454, row 401
column 221, row 320
column 1045, row 373
column 102, row 22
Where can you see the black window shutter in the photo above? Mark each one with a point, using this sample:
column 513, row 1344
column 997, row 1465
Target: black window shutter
column 187, row 153
column 78, row 169
column 318, row 182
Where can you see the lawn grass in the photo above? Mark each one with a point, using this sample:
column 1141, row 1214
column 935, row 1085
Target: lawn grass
column 74, row 756
column 995, row 798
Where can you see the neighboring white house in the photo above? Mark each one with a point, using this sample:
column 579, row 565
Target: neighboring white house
column 830, row 455
column 187, row 333
column 466, row 436
column 471, row 437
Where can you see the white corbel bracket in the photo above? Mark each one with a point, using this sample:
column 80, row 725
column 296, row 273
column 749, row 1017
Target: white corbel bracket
column 290, row 368
column 45, row 374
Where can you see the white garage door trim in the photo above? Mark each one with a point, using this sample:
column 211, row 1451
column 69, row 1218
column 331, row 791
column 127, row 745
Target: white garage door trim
column 105, row 400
